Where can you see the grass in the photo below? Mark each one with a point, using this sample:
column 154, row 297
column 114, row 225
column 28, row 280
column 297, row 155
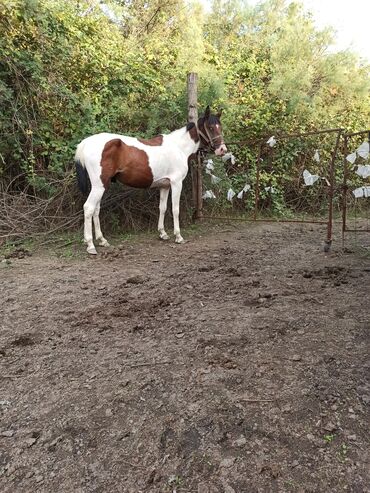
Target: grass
column 69, row 244
column 62, row 243
column 289, row 483
column 329, row 438
column 12, row 246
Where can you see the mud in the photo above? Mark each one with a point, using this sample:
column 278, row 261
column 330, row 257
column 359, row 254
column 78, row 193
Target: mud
column 237, row 362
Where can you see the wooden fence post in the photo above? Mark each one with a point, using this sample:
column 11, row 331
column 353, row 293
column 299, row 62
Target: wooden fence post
column 196, row 170
column 192, row 97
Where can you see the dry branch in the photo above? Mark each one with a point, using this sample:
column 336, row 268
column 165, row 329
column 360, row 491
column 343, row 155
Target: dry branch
column 27, row 214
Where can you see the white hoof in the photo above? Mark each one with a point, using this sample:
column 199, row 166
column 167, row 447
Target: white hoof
column 164, row 236
column 104, row 243
column 179, row 239
column 92, row 251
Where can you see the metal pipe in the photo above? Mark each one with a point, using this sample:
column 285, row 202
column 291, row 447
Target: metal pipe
column 199, row 189
column 344, row 192
column 357, row 133
column 266, row 220
column 329, row 238
column 286, row 136
column 357, row 230
column 257, row 192
column 306, row 134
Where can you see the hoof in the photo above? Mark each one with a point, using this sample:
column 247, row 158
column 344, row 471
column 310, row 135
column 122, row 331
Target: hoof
column 180, row 240
column 164, row 236
column 92, row 251
column 104, row 243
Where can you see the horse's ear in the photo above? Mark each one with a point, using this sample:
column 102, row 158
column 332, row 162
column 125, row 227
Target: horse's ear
column 219, row 113
column 207, row 113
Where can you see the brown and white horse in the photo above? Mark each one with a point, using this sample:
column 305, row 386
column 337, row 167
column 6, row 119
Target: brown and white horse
column 161, row 162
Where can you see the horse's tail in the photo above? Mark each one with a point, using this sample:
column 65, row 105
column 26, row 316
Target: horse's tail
column 83, row 180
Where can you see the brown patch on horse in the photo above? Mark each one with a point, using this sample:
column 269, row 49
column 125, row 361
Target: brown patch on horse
column 192, row 129
column 128, row 164
column 155, row 141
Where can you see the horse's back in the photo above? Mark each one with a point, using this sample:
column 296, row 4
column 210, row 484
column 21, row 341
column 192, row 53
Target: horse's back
column 107, row 154
column 94, row 144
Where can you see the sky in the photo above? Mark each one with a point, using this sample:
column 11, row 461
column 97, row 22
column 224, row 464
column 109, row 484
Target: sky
column 349, row 18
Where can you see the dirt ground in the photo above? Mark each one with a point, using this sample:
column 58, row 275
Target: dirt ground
column 237, row 362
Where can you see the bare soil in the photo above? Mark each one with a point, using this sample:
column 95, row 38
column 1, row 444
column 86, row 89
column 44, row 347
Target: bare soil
column 237, row 362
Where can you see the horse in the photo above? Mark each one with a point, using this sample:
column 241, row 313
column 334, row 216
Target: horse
column 160, row 162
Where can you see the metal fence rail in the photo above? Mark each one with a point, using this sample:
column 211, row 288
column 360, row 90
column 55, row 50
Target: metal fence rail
column 293, row 193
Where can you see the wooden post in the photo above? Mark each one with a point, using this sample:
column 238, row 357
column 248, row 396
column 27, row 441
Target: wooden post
column 192, row 97
column 196, row 170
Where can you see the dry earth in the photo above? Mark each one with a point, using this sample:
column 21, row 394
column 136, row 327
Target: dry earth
column 237, row 362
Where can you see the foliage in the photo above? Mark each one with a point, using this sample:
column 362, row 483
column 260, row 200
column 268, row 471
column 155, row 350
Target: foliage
column 70, row 69
column 281, row 75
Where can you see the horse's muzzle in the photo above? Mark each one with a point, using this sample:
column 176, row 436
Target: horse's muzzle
column 221, row 150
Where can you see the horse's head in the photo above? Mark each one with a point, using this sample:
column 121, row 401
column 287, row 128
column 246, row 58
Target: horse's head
column 210, row 133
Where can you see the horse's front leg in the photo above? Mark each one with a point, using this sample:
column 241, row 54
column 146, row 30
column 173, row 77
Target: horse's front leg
column 98, row 233
column 163, row 196
column 176, row 188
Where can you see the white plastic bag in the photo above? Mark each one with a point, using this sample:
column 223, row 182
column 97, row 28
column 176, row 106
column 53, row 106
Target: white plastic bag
column 215, row 179
column 308, row 178
column 272, row 141
column 363, row 170
column 351, row 158
column 228, row 156
column 230, row 194
column 208, row 195
column 246, row 188
column 209, row 165
column 363, row 150
column 362, row 192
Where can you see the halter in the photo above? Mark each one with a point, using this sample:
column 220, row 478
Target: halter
column 208, row 138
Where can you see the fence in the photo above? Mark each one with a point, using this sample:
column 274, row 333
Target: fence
column 306, row 178
column 356, row 183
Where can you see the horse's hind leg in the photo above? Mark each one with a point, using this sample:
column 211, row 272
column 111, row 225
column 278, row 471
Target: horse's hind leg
column 92, row 201
column 98, row 234
column 176, row 188
column 163, row 194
